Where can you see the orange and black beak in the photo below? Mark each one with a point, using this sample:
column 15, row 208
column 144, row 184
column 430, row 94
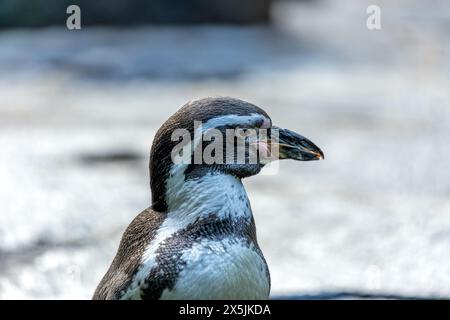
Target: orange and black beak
column 292, row 145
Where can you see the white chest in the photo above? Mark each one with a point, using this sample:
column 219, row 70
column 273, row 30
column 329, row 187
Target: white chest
column 226, row 269
column 228, row 266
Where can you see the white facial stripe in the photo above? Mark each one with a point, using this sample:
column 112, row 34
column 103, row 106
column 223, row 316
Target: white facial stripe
column 234, row 120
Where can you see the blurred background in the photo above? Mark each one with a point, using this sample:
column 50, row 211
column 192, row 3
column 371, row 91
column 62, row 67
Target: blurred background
column 79, row 109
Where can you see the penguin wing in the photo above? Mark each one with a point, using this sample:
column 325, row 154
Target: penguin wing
column 134, row 241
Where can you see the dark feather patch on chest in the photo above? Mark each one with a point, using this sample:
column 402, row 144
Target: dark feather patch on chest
column 168, row 255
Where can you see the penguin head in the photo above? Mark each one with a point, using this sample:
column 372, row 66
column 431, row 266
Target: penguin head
column 219, row 136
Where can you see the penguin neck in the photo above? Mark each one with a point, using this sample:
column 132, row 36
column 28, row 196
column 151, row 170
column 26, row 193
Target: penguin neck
column 219, row 194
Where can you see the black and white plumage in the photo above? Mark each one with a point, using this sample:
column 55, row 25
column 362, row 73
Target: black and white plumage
column 198, row 238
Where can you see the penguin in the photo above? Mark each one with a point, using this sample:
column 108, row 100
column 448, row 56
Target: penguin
column 198, row 239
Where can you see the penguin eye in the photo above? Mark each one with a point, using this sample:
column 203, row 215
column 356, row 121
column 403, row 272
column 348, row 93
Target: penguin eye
column 265, row 124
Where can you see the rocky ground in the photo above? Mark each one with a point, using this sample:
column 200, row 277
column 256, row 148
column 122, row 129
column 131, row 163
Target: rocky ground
column 78, row 111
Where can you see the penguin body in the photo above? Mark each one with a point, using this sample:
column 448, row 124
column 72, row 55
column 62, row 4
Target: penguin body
column 198, row 239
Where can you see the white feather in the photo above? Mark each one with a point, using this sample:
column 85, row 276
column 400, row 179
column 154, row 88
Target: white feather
column 221, row 270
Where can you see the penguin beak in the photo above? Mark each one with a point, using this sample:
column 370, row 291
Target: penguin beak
column 292, row 145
